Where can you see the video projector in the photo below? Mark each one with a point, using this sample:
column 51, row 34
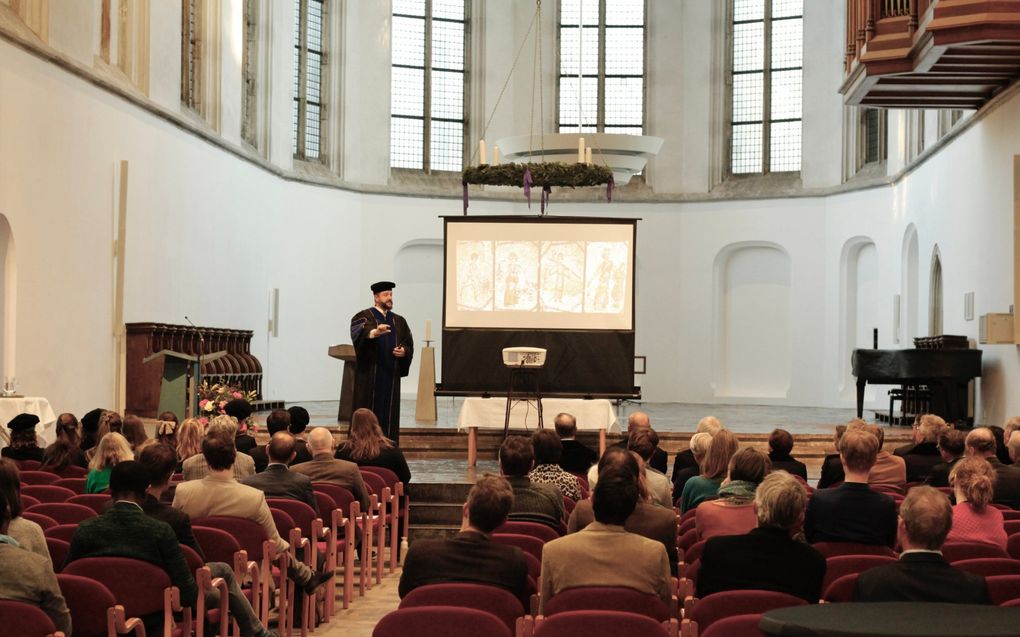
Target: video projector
column 533, row 357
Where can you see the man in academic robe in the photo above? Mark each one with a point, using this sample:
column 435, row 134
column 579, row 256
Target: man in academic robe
column 384, row 347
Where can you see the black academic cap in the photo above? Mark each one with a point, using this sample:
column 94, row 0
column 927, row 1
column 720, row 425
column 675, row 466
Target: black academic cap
column 238, row 408
column 90, row 421
column 382, row 286
column 22, row 422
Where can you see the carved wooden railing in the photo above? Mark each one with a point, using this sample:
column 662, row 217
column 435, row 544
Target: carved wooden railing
column 863, row 15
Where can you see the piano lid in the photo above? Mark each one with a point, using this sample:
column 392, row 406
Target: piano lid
column 905, row 366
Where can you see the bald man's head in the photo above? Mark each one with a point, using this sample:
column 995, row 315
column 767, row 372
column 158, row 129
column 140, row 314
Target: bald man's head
column 281, row 447
column 638, row 420
column 320, row 440
column 981, row 443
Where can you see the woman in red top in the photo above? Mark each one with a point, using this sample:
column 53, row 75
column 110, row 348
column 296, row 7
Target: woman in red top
column 973, row 480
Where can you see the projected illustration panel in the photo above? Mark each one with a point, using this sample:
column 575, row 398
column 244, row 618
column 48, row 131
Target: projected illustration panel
column 517, row 276
column 474, row 271
column 605, row 277
column 562, row 283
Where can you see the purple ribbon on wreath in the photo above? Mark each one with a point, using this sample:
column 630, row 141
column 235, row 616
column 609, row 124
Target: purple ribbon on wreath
column 545, row 198
column 465, row 197
column 528, row 182
column 609, row 190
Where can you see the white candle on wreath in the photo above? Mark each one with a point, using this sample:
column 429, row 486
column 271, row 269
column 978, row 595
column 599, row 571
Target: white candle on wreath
column 481, row 153
column 495, row 155
column 587, row 155
column 580, row 150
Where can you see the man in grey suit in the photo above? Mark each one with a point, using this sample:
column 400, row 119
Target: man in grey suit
column 277, row 481
column 325, row 468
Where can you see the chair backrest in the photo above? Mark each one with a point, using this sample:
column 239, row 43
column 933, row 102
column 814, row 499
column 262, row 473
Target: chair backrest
column 440, row 621
column 217, row 544
column 300, row 513
column 25, row 620
column 832, row 549
column 193, row 559
column 38, row 477
column 534, row 529
column 598, row 623
column 736, row 626
column 693, row 554
column 43, row 521
column 615, row 598
column 48, row 492
column 956, row 551
column 373, row 481
column 58, row 552
column 841, row 589
column 839, row 565
column 491, row 599
column 534, row 565
column 136, row 585
column 326, row 504
column 689, row 537
column 98, row 502
column 74, row 484
column 63, row 512
column 391, row 479
column 685, row 526
column 986, row 566
column 27, row 501
column 28, row 465
column 1013, row 546
column 249, row 534
column 527, row 543
column 87, row 599
column 1011, row 526
column 343, row 497
column 1003, row 588
column 714, row 607
column 61, row 532
column 71, row 471
column 1011, row 515
column 284, row 523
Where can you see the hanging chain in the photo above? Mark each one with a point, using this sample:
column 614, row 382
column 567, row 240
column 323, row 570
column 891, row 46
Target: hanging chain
column 541, row 84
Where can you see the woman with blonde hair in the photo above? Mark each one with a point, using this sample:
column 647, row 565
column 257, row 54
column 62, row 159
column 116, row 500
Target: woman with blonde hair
column 109, row 421
column 973, row 481
column 112, row 448
column 367, row 446
column 713, row 469
column 189, row 440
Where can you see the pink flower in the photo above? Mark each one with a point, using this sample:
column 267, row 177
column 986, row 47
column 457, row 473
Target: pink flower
column 237, row 394
column 202, row 402
column 223, row 404
column 204, row 421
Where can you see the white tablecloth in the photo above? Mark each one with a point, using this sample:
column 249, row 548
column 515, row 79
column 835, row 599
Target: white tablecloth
column 11, row 407
column 490, row 413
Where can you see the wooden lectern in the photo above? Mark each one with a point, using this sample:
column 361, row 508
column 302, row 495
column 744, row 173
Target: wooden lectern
column 347, row 355
column 182, row 375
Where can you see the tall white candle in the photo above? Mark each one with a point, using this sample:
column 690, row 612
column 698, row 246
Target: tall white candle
column 481, row 152
column 587, row 155
column 580, row 150
column 495, row 155
column 428, row 330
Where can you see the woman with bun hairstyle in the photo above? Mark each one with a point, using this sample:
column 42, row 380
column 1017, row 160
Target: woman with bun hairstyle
column 974, row 520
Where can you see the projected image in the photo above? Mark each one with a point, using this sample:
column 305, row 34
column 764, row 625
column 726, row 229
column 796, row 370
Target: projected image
column 562, row 277
column 606, row 277
column 474, row 273
column 516, row 275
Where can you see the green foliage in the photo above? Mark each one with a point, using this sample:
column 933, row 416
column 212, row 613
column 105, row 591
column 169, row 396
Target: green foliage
column 542, row 174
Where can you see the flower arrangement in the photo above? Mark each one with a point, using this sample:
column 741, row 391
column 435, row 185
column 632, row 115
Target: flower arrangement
column 214, row 398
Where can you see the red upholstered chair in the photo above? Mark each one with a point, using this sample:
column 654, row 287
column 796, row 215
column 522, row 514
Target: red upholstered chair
column 688, row 539
column 43, row 521
column 47, row 492
column 1011, row 515
column 690, row 571
column 70, row 471
column 736, row 626
column 841, row 589
column 534, row 566
column 583, row 485
column 616, row 598
column 58, row 554
column 289, row 595
column 706, row 611
column 1011, row 526
column 74, row 484
column 1013, row 546
column 686, row 526
column 218, row 616
column 37, row 477
column 527, row 543
column 63, row 512
column 351, row 508
column 28, row 465
column 534, row 529
column 380, row 516
column 840, row 565
column 832, row 549
column 27, row 501
column 321, row 538
column 400, row 509
column 491, row 599
column 94, row 611
column 440, row 621
column 61, row 531
column 599, row 623
column 1003, row 588
column 1001, row 507
column 142, row 588
column 26, row 620
column 340, row 528
column 98, row 502
column 986, row 566
column 568, row 506
column 693, row 554
column 956, row 551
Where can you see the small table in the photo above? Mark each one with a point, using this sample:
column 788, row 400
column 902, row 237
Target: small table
column 46, row 430
column 490, row 413
column 892, row 619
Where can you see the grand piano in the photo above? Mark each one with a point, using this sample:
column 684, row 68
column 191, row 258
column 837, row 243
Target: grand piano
column 946, row 372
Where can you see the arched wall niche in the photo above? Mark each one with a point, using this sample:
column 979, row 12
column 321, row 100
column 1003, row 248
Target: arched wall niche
column 935, row 313
column 751, row 321
column 418, row 273
column 909, row 287
column 858, row 315
column 8, row 298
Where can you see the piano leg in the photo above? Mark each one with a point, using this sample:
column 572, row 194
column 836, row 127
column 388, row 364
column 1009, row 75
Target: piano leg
column 861, row 382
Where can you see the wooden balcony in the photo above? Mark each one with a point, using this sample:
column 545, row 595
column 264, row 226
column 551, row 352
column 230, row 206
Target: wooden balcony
column 930, row 53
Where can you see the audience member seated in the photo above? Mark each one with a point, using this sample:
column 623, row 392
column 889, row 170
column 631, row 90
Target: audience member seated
column 1007, row 429
column 471, row 556
column 832, row 467
column 973, row 481
column 644, row 442
column 576, row 458
column 166, row 432
column 189, row 441
column 640, row 420
column 922, row 455
column 980, row 443
column 109, row 422
column 299, row 420
column 648, row 520
column 28, row 534
column 852, row 512
column 950, row 446
column 533, row 502
column 732, row 513
column 780, row 446
column 277, row 481
column 366, row 446
column 767, row 557
column 1000, row 445
column 241, row 410
column 90, row 431
column 66, row 450
column 921, row 574
column 889, row 475
column 547, row 470
column 134, row 431
column 225, row 428
column 159, row 460
column 23, row 442
column 112, row 449
column 126, row 531
column 278, row 420
column 168, row 416
column 28, row 577
column 323, row 467
column 713, row 470
column 685, row 460
column 698, row 447
column 604, row 553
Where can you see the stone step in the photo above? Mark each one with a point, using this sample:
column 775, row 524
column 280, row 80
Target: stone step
column 436, row 513
column 430, row 531
column 439, row 492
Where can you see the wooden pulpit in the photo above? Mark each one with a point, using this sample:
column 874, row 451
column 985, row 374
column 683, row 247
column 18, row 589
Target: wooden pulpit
column 181, row 377
column 347, row 355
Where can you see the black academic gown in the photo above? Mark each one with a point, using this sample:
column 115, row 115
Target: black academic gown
column 377, row 372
